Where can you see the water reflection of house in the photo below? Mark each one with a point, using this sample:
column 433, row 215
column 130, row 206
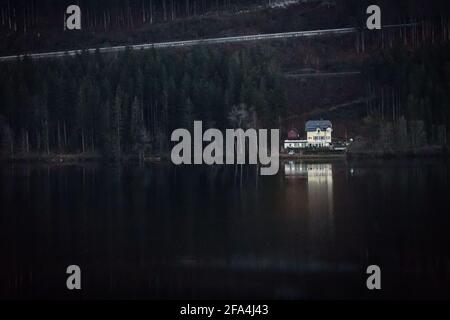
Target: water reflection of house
column 293, row 169
column 321, row 208
column 319, row 178
column 320, row 187
column 319, row 204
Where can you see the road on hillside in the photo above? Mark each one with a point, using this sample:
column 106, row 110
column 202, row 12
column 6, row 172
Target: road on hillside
column 321, row 74
column 190, row 43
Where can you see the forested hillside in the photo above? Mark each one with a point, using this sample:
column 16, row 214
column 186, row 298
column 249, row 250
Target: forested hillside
column 38, row 25
column 129, row 104
column 408, row 104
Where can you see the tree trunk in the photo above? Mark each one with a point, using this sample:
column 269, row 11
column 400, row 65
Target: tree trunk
column 65, row 134
column 59, row 137
column 27, row 141
column 82, row 140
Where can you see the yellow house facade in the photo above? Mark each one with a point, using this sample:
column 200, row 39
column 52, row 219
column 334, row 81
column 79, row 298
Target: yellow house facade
column 319, row 133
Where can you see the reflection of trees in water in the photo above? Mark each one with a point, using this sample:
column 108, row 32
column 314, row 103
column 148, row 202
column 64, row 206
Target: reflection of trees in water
column 161, row 227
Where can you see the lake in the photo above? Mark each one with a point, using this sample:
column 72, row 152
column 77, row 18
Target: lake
column 160, row 231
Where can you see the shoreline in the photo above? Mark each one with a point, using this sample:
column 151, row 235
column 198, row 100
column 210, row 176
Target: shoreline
column 60, row 159
column 73, row 158
column 322, row 156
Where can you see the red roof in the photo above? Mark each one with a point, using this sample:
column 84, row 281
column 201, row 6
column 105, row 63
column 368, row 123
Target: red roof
column 293, row 134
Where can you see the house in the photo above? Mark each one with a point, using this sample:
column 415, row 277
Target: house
column 318, row 135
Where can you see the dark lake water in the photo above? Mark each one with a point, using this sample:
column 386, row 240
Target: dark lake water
column 159, row 231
